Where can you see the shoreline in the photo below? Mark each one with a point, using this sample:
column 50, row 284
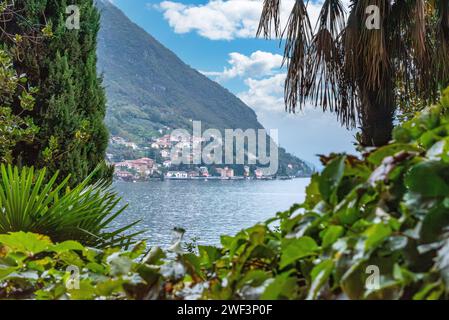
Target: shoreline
column 210, row 179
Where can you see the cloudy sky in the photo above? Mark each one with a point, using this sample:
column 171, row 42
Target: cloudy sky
column 217, row 37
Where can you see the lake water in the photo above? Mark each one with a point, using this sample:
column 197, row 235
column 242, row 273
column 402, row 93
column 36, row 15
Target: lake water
column 205, row 209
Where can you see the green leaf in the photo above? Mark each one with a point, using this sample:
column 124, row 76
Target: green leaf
column 381, row 153
column 429, row 178
column 320, row 274
column 108, row 287
column 435, row 220
column 295, row 249
column 86, row 291
column 26, row 242
column 254, row 278
column 375, row 235
column 6, row 271
column 431, row 291
column 331, row 177
column 331, row 235
column 67, row 246
column 138, row 250
column 313, row 195
column 208, row 255
column 192, row 264
column 283, row 287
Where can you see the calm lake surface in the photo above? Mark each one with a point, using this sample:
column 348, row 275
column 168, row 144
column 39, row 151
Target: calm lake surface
column 205, row 209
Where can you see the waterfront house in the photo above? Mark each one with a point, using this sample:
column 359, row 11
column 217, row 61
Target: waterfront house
column 246, row 171
column 144, row 166
column 124, row 175
column 176, row 175
column 204, row 172
column 258, row 173
column 193, row 174
column 225, row 172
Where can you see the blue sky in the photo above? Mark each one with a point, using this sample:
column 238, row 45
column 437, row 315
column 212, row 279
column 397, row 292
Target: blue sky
column 217, row 37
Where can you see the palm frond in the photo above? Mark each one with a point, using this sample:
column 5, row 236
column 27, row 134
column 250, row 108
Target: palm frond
column 297, row 34
column 372, row 45
column 347, row 67
column 270, row 19
column 325, row 62
column 84, row 213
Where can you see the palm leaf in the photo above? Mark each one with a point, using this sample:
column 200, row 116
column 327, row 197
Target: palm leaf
column 84, row 213
column 270, row 20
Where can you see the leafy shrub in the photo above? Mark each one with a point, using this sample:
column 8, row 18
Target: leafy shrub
column 85, row 213
column 33, row 267
column 14, row 128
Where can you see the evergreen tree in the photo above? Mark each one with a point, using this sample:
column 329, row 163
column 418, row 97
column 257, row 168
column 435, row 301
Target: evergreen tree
column 70, row 104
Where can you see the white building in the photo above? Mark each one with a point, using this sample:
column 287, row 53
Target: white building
column 165, row 153
column 177, row 175
column 167, row 163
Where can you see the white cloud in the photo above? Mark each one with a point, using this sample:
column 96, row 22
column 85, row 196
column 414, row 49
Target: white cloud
column 306, row 133
column 258, row 64
column 226, row 19
column 215, row 20
column 266, row 94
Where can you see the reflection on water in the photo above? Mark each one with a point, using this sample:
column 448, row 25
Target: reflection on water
column 205, row 209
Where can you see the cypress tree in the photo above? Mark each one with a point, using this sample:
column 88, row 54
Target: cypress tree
column 70, row 104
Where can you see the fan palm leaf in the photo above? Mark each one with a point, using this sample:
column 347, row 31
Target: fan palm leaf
column 84, row 213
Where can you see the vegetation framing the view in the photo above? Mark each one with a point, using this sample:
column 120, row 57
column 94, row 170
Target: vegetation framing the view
column 385, row 212
column 374, row 226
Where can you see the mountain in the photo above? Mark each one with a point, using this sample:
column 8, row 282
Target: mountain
column 149, row 88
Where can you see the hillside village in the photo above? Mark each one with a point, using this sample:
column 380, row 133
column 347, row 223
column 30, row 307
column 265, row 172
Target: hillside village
column 160, row 165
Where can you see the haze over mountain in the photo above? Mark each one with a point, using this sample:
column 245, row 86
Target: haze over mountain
column 149, row 87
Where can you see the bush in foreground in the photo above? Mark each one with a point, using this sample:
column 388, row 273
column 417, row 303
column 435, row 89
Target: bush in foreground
column 33, row 267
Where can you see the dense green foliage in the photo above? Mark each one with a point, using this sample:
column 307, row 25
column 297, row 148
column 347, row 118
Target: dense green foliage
column 13, row 128
column 387, row 211
column 31, row 266
column 70, row 104
column 84, row 213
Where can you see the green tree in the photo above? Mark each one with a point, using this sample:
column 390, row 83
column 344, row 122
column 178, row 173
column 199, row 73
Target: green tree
column 70, row 104
column 13, row 128
column 352, row 69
